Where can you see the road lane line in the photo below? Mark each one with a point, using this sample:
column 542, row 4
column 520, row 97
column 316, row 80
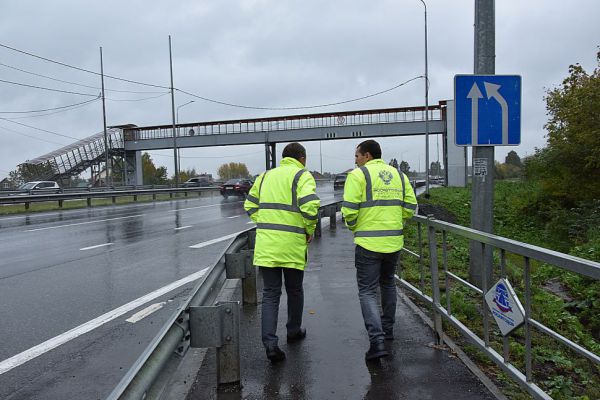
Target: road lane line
column 95, row 247
column 82, row 223
column 213, row 241
column 183, row 227
column 235, row 216
column 140, row 315
column 61, row 339
column 210, row 205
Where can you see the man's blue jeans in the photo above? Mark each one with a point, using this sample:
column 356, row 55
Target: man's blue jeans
column 270, row 304
column 372, row 270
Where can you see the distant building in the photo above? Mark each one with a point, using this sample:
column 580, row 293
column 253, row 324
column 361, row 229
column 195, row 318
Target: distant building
column 5, row 184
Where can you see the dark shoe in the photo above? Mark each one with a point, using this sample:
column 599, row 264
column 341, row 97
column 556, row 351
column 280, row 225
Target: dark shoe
column 275, row 354
column 301, row 334
column 377, row 350
column 388, row 335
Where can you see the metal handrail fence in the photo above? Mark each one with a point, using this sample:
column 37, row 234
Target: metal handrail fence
column 489, row 242
column 27, row 199
column 147, row 378
column 294, row 122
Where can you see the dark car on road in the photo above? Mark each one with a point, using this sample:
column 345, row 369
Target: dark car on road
column 236, row 187
column 339, row 181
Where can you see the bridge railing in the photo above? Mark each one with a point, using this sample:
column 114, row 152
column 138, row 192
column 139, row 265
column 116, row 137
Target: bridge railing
column 199, row 323
column 352, row 118
column 430, row 292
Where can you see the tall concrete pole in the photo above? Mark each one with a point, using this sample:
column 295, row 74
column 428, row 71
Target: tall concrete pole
column 426, row 109
column 173, row 112
column 106, row 183
column 482, row 196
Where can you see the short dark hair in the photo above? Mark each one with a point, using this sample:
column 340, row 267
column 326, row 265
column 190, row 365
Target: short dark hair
column 370, row 146
column 294, row 150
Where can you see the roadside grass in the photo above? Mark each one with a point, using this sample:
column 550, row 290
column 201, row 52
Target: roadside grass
column 97, row 202
column 571, row 310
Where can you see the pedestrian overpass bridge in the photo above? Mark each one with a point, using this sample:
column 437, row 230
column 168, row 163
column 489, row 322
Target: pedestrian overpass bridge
column 126, row 142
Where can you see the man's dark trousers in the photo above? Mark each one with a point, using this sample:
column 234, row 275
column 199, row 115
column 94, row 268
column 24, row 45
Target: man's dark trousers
column 372, row 270
column 272, row 293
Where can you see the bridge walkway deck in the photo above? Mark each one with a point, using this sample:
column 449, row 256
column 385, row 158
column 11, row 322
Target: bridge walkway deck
column 330, row 363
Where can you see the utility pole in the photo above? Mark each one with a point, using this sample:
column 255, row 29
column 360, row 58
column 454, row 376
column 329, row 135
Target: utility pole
column 106, row 183
column 173, row 112
column 426, row 108
column 482, row 196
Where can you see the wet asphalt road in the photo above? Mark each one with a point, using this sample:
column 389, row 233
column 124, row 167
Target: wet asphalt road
column 62, row 270
column 329, row 363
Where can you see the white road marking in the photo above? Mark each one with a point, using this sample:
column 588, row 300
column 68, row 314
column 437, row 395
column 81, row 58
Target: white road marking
column 213, row 241
column 61, row 339
column 235, row 216
column 140, row 315
column 95, row 247
column 183, row 227
column 82, row 223
column 210, row 205
column 249, row 222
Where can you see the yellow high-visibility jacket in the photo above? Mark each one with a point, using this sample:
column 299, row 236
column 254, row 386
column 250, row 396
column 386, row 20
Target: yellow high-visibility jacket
column 377, row 199
column 284, row 205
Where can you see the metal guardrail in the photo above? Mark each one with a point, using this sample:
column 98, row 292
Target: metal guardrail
column 503, row 245
column 149, row 375
column 27, row 199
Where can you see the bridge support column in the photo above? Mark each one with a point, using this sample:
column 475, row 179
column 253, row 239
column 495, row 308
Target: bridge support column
column 134, row 170
column 270, row 156
column 456, row 157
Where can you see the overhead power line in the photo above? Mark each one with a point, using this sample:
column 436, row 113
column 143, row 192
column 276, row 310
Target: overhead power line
column 51, row 109
column 54, row 112
column 49, row 89
column 29, row 136
column 145, row 98
column 82, row 69
column 75, row 83
column 38, row 129
column 300, row 107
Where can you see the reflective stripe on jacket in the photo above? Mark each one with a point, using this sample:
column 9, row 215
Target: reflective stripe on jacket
column 377, row 198
column 284, row 205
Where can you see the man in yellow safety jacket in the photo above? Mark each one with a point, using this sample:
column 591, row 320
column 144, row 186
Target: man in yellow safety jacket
column 284, row 205
column 377, row 199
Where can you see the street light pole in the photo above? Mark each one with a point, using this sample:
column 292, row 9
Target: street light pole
column 177, row 122
column 173, row 113
column 426, row 109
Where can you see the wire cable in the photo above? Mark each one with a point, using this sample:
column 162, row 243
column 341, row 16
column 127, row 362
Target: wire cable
column 38, row 129
column 146, row 98
column 49, row 89
column 74, row 83
column 300, row 107
column 29, row 136
column 52, row 113
column 82, row 69
column 237, row 155
column 51, row 109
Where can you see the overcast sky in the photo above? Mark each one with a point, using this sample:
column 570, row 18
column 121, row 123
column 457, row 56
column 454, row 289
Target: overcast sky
column 273, row 54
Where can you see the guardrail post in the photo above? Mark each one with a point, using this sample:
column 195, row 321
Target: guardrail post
column 318, row 227
column 27, row 206
column 89, row 201
column 114, row 199
column 60, row 203
column 171, row 195
column 435, row 287
column 333, row 218
column 240, row 266
column 135, row 197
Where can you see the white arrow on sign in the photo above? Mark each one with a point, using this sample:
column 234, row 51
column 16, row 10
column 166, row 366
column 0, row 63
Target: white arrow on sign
column 474, row 95
column 492, row 91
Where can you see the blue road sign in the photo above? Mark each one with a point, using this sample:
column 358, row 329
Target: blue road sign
column 487, row 110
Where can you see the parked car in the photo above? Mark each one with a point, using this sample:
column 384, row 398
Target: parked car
column 39, row 187
column 197, row 181
column 236, row 187
column 339, row 181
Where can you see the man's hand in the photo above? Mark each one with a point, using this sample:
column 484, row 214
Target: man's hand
column 309, row 238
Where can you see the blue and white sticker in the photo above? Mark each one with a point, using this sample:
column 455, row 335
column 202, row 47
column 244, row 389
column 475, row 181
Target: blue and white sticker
column 505, row 306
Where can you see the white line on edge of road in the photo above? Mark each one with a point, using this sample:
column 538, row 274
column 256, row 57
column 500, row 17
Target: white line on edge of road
column 183, row 227
column 140, row 315
column 82, row 223
column 61, row 339
column 235, row 216
column 217, row 240
column 95, row 247
column 210, row 205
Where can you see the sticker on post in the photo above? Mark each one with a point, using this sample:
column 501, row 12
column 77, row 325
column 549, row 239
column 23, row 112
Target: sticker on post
column 480, row 167
column 505, row 307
